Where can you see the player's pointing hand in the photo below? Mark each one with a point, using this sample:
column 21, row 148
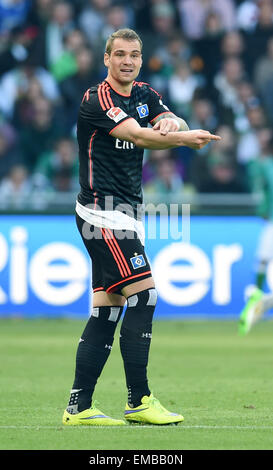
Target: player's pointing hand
column 197, row 139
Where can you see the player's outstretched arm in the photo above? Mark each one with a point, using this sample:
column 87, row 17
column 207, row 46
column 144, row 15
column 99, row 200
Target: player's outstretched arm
column 131, row 131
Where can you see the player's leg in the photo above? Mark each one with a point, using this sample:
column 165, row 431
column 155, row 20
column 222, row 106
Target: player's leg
column 251, row 312
column 96, row 340
column 135, row 337
column 261, row 274
column 135, row 340
column 94, row 347
column 258, row 303
column 93, row 351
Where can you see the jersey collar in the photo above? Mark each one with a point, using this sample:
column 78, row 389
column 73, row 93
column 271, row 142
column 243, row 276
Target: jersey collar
column 121, row 94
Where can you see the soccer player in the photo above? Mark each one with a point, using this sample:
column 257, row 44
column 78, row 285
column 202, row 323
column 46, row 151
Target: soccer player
column 112, row 133
column 261, row 178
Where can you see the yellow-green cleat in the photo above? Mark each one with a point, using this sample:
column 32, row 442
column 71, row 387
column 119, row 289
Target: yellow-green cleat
column 151, row 412
column 252, row 312
column 90, row 417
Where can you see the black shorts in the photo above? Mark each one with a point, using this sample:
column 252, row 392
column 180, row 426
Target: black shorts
column 118, row 257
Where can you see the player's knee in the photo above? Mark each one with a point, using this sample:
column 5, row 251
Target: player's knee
column 101, row 325
column 145, row 298
column 139, row 313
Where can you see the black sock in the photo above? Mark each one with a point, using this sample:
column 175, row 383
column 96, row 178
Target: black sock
column 93, row 351
column 135, row 340
column 261, row 273
column 260, row 278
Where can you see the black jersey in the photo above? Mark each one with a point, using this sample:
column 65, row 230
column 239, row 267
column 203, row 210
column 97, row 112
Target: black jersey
column 111, row 169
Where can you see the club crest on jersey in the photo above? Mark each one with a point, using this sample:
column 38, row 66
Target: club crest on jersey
column 116, row 114
column 143, row 110
column 138, row 261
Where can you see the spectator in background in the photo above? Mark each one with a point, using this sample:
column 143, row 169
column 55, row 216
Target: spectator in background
column 263, row 78
column 15, row 83
column 66, row 64
column 264, row 136
column 17, row 48
column 181, row 87
column 24, row 104
column 116, row 17
column 164, row 20
column 222, row 177
column 143, row 15
column 193, row 14
column 10, row 154
column 246, row 98
column 232, row 45
column 166, row 180
column 49, row 45
column 203, row 112
column 60, row 24
column 93, row 13
column 15, row 189
column 247, row 94
column 12, row 14
column 257, row 40
column 58, row 169
column 163, row 26
column 40, row 134
column 208, row 48
column 40, row 13
column 221, row 173
column 247, row 15
column 263, row 68
column 203, row 115
column 265, row 20
column 226, row 81
column 74, row 87
column 213, row 27
column 248, row 143
column 177, row 48
column 165, row 58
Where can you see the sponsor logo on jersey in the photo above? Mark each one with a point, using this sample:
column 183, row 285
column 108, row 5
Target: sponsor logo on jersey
column 124, row 145
column 116, row 114
column 143, row 110
column 138, row 261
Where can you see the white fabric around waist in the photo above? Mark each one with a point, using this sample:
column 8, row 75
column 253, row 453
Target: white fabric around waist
column 114, row 220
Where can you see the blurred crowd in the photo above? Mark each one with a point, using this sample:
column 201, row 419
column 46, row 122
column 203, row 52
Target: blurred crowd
column 212, row 60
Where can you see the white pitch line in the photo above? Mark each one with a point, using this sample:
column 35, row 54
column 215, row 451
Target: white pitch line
column 181, row 426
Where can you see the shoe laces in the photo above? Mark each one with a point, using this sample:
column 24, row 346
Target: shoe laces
column 156, row 404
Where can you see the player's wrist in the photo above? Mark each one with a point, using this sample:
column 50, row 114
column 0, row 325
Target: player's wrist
column 186, row 139
column 183, row 126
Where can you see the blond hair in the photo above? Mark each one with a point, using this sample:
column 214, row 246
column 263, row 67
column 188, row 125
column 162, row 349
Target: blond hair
column 126, row 33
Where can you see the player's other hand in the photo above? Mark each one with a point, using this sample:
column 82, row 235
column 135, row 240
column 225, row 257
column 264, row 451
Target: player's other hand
column 166, row 125
column 197, row 139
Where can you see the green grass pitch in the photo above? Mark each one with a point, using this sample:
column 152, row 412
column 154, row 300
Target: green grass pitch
column 221, row 383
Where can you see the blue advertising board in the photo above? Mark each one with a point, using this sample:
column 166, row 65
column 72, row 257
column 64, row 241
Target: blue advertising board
column 45, row 270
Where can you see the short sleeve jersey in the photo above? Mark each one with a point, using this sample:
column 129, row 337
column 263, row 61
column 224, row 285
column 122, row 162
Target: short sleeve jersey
column 111, row 169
